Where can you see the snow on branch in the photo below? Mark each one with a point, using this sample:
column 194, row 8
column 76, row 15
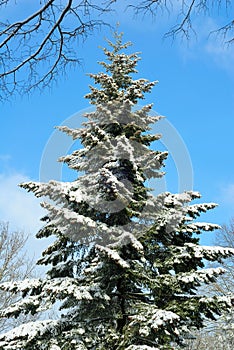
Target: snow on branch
column 57, row 191
column 205, row 275
column 198, row 227
column 21, row 286
column 195, row 209
column 113, row 255
column 141, row 347
column 70, row 223
column 50, row 290
column 127, row 238
column 29, row 330
column 191, row 251
column 150, row 318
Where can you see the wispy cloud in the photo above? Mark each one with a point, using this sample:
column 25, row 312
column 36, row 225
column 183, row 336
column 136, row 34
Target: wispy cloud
column 5, row 157
column 228, row 194
column 23, row 212
column 209, row 45
column 221, row 54
column 20, row 208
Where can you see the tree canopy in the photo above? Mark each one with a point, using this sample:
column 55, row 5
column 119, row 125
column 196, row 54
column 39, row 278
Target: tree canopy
column 126, row 266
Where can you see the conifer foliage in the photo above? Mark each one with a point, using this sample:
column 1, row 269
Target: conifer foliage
column 126, row 266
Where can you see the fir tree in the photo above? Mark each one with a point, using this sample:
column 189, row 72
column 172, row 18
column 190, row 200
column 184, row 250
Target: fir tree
column 126, row 265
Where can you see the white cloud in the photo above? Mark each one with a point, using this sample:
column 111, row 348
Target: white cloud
column 209, row 45
column 228, row 194
column 23, row 212
column 20, row 208
column 221, row 54
column 5, row 157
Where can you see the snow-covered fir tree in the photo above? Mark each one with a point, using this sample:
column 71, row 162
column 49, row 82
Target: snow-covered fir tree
column 126, row 266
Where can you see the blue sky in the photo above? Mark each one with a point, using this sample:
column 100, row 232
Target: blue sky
column 195, row 93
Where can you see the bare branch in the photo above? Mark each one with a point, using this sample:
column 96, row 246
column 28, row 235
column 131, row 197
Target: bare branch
column 47, row 39
column 187, row 12
column 225, row 31
column 42, row 46
column 14, row 265
column 186, row 25
column 150, row 6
